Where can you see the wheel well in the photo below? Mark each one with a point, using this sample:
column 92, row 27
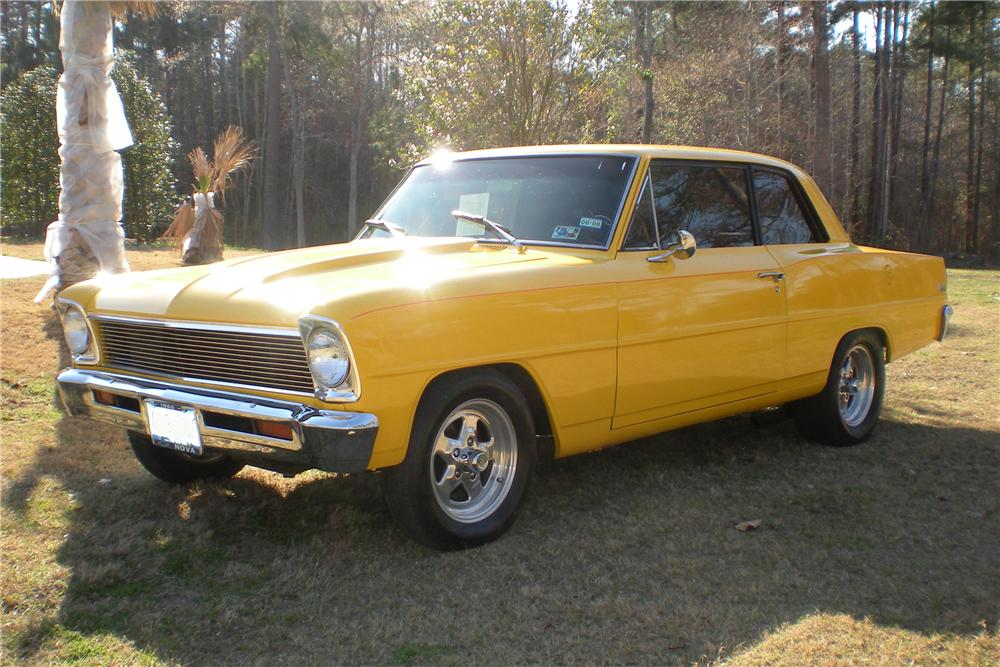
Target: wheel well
column 879, row 333
column 520, row 377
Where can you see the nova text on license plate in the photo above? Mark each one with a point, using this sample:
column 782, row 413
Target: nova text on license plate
column 174, row 427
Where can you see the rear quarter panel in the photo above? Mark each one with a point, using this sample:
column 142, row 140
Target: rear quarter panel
column 835, row 288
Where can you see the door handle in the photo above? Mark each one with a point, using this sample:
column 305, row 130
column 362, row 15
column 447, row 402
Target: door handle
column 778, row 277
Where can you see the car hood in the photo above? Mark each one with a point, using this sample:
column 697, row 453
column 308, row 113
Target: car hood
column 276, row 288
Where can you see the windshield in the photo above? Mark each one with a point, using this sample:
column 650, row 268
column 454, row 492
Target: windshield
column 565, row 200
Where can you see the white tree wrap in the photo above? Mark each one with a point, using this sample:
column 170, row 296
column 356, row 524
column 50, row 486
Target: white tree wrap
column 88, row 235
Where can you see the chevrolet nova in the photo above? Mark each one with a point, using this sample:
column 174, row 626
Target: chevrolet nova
column 501, row 305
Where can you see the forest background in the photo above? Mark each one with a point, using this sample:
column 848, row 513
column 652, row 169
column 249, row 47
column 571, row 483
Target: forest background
column 891, row 105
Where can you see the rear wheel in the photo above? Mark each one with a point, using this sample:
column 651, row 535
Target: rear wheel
column 177, row 468
column 846, row 411
column 471, row 456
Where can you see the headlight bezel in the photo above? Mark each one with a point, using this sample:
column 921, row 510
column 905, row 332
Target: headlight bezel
column 349, row 390
column 90, row 355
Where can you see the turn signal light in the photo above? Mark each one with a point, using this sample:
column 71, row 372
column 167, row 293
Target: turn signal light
column 273, row 429
column 104, row 397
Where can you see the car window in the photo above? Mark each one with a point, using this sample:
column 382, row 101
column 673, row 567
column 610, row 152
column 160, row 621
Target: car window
column 781, row 218
column 641, row 234
column 708, row 201
column 565, row 200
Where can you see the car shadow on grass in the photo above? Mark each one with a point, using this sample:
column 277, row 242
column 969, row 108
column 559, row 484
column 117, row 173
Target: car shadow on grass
column 624, row 556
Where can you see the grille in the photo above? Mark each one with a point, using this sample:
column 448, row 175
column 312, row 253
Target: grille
column 251, row 357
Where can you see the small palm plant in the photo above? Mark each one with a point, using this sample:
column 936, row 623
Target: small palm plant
column 198, row 227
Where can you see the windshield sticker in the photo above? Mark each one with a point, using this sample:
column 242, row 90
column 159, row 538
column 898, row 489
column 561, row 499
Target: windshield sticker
column 593, row 223
column 474, row 203
column 565, row 233
column 466, row 228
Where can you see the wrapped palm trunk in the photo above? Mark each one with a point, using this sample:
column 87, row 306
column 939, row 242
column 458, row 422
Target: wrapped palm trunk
column 204, row 243
column 88, row 236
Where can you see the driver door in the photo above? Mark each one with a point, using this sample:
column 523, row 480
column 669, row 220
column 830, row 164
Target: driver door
column 706, row 330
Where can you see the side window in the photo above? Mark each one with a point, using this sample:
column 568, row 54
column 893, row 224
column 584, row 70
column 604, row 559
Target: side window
column 641, row 234
column 710, row 202
column 781, row 218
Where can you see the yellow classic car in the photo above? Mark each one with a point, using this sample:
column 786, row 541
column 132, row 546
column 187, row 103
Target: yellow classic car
column 503, row 305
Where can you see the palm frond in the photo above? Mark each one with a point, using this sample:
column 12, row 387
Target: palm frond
column 145, row 7
column 232, row 153
column 182, row 224
column 204, row 171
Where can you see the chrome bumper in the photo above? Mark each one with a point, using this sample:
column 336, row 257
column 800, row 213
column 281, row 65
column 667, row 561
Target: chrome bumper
column 324, row 439
column 946, row 314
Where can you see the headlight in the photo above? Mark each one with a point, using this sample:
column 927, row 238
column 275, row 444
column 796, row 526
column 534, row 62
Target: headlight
column 77, row 332
column 328, row 358
column 331, row 362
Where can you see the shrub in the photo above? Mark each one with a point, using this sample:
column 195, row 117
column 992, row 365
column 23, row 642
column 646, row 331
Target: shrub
column 29, row 157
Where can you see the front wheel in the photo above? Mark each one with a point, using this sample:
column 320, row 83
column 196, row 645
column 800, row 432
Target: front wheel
column 471, row 456
column 846, row 411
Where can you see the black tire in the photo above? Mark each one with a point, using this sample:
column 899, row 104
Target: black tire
column 821, row 418
column 409, row 488
column 176, row 468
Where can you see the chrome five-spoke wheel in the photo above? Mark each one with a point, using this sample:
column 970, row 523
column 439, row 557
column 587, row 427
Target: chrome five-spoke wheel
column 846, row 411
column 470, row 459
column 857, row 385
column 474, row 460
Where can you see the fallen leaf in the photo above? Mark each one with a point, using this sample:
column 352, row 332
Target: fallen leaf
column 747, row 526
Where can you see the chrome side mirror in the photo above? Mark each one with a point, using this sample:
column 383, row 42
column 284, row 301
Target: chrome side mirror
column 680, row 245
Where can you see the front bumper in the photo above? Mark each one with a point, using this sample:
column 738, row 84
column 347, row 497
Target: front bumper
column 230, row 423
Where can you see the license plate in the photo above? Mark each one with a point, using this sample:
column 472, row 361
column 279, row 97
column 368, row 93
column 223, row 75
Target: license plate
column 174, row 427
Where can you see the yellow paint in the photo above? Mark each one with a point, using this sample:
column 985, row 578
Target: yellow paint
column 620, row 347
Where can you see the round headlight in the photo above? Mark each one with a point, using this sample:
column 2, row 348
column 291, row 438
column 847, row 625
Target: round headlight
column 76, row 331
column 328, row 359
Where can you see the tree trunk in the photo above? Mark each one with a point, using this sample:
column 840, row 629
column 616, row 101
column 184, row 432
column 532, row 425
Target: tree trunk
column 928, row 208
column 899, row 70
column 874, row 183
column 642, row 14
column 977, row 192
column 91, row 126
column 971, row 235
column 781, row 62
column 925, row 152
column 272, row 224
column 888, row 38
column 855, row 136
column 822, row 159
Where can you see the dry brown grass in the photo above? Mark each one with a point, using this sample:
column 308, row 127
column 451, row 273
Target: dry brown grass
column 880, row 554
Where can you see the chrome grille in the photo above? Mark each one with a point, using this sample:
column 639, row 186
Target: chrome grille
column 231, row 355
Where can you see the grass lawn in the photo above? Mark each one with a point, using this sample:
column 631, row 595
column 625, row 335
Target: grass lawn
column 887, row 553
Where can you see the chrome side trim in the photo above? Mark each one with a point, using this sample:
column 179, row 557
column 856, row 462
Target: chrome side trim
column 205, row 326
column 946, row 312
column 348, row 391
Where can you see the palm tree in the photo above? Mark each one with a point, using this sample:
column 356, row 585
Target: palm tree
column 88, row 236
column 199, row 229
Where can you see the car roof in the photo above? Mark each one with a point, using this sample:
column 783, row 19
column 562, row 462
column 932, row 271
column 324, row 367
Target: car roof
column 637, row 150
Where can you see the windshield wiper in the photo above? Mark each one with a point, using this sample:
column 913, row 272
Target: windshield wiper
column 386, row 226
column 495, row 227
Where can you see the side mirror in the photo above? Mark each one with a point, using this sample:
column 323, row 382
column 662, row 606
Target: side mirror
column 680, row 245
